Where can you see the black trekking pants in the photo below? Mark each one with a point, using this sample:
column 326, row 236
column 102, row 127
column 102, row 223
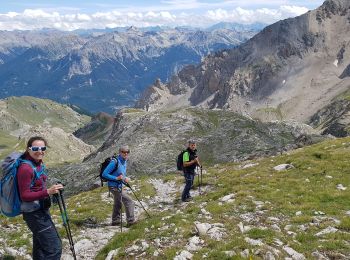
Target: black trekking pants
column 46, row 241
column 189, row 177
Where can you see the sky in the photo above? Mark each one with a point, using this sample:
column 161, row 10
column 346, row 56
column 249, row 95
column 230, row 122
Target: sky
column 68, row 15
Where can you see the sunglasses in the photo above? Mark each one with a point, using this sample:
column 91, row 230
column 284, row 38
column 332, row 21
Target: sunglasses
column 125, row 152
column 37, row 148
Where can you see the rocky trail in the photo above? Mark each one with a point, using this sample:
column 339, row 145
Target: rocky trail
column 93, row 237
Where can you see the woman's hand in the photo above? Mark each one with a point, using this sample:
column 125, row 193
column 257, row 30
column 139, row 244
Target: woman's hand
column 54, row 189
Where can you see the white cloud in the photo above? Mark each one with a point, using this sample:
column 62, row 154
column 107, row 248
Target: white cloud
column 263, row 15
column 38, row 18
column 293, row 10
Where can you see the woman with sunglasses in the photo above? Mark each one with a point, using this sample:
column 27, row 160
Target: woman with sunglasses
column 35, row 197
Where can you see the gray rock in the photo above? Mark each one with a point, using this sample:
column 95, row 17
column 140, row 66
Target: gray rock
column 202, row 228
column 319, row 256
column 67, row 257
column 249, row 165
column 184, row 255
column 276, row 227
column 230, row 253
column 194, row 244
column 283, row 167
column 269, row 256
column 227, row 198
column 243, row 228
column 325, row 231
column 254, row 242
column 82, row 245
column 341, row 187
column 245, row 253
column 294, row 254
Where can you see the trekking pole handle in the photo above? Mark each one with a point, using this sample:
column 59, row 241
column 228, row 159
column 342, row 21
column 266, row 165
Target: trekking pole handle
column 59, row 182
column 126, row 184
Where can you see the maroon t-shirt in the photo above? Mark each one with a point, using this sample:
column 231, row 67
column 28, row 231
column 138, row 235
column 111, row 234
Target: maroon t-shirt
column 25, row 175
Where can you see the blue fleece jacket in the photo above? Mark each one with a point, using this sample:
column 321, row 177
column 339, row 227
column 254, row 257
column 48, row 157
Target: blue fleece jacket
column 111, row 172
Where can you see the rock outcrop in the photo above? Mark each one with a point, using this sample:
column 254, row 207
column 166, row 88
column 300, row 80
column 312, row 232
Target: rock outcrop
column 155, row 139
column 97, row 130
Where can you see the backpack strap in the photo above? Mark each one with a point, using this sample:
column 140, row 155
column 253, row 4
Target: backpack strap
column 36, row 173
column 116, row 161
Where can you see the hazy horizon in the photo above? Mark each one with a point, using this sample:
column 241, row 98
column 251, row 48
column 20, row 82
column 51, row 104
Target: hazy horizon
column 77, row 14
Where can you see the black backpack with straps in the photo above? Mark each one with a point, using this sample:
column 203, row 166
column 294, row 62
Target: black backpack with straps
column 103, row 166
column 179, row 161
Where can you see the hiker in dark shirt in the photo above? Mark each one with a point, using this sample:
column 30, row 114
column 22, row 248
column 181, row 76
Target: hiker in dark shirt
column 190, row 162
column 36, row 202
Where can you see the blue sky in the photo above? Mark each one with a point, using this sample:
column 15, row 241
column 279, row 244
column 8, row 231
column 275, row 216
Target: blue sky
column 87, row 14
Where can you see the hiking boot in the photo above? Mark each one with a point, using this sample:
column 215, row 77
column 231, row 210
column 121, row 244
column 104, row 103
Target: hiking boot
column 129, row 224
column 187, row 199
column 115, row 224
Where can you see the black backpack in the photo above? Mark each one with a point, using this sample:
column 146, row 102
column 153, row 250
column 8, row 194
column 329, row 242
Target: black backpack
column 179, row 161
column 103, row 166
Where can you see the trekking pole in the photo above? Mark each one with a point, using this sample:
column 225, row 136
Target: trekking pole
column 121, row 209
column 128, row 185
column 65, row 219
column 199, row 184
column 201, row 175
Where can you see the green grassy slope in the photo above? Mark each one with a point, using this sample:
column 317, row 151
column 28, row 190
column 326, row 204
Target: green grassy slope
column 309, row 187
column 22, row 117
column 34, row 111
column 288, row 207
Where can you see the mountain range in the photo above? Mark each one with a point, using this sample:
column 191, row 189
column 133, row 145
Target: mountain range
column 290, row 70
column 103, row 71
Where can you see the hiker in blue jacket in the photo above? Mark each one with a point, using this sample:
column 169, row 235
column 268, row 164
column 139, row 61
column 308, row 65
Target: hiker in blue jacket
column 115, row 173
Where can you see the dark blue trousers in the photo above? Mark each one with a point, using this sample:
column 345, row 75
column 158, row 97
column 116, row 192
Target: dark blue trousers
column 46, row 241
column 189, row 177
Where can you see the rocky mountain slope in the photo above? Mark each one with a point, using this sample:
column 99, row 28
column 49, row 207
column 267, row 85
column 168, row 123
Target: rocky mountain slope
column 291, row 206
column 23, row 117
column 334, row 118
column 155, row 139
column 101, row 72
column 289, row 70
column 97, row 130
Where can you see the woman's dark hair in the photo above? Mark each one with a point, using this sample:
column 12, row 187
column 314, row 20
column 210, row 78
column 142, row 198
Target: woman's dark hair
column 36, row 138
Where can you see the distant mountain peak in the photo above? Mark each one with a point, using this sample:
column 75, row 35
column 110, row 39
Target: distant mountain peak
column 289, row 70
column 101, row 70
column 132, row 29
